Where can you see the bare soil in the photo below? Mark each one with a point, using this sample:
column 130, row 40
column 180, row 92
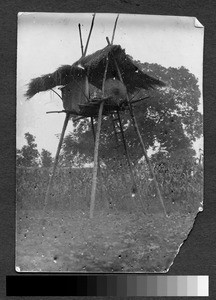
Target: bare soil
column 68, row 241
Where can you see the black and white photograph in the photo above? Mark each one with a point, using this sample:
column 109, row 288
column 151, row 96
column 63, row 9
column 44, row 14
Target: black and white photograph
column 109, row 140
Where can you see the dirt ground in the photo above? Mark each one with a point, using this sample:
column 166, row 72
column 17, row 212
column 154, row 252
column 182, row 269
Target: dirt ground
column 110, row 242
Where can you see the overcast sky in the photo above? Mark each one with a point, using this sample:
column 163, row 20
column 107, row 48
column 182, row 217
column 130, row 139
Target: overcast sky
column 49, row 40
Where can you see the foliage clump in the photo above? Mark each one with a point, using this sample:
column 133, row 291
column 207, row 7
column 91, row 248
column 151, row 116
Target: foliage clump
column 169, row 119
column 29, row 156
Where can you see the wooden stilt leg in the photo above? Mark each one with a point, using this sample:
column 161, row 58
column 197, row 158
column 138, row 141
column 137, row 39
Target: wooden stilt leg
column 92, row 125
column 99, row 169
column 142, row 143
column 97, row 138
column 127, row 154
column 56, row 160
column 149, row 164
column 95, row 168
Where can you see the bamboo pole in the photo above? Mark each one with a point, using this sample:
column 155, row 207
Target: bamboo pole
column 94, row 180
column 81, row 42
column 149, row 163
column 114, row 29
column 86, row 47
column 141, row 141
column 86, row 93
column 127, row 154
column 66, row 120
column 56, row 160
column 55, row 112
column 146, row 157
column 134, row 186
column 144, row 149
column 92, row 125
column 99, row 167
column 97, row 138
column 56, row 93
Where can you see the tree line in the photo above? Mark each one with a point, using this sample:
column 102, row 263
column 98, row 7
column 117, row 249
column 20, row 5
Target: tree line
column 29, row 156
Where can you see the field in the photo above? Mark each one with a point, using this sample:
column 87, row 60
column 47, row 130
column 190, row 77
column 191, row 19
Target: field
column 126, row 234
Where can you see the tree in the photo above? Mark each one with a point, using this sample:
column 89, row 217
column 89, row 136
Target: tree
column 78, row 145
column 46, row 158
column 175, row 174
column 28, row 155
column 169, row 118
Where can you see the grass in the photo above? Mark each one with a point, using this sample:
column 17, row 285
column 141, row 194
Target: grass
column 126, row 234
column 72, row 187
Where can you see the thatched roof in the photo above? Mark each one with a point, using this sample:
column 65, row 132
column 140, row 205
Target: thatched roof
column 94, row 66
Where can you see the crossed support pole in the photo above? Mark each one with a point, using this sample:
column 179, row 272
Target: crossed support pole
column 136, row 127
column 97, row 136
column 95, row 168
column 135, row 124
column 134, row 188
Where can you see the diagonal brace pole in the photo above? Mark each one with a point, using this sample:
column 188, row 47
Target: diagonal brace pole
column 146, row 157
column 56, row 159
column 144, row 148
column 141, row 141
column 148, row 162
column 134, row 187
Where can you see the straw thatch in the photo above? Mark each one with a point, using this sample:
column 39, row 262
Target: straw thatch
column 61, row 76
column 93, row 66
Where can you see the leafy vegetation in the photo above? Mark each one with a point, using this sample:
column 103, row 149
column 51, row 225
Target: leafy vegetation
column 169, row 120
column 180, row 184
column 46, row 158
column 29, row 156
column 127, row 233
